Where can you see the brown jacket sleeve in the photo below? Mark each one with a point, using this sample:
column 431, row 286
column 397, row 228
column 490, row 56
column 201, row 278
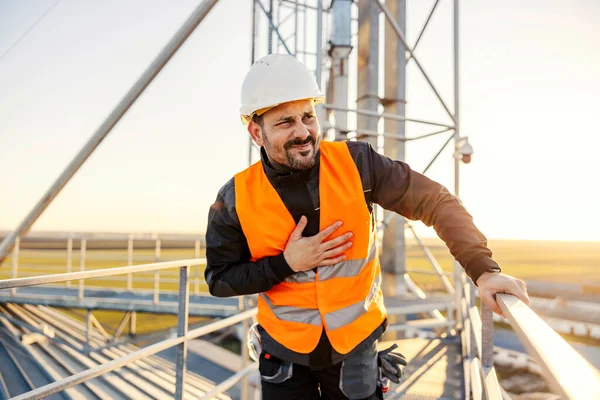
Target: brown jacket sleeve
column 396, row 187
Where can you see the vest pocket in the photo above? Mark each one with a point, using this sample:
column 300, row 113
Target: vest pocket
column 358, row 374
column 273, row 369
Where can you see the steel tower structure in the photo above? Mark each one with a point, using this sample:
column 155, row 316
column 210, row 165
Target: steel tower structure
column 340, row 41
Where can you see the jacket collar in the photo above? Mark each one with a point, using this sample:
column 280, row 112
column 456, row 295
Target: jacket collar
column 282, row 176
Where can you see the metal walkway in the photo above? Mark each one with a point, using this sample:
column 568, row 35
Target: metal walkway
column 435, row 370
column 120, row 300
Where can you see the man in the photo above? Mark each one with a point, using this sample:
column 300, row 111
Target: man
column 298, row 229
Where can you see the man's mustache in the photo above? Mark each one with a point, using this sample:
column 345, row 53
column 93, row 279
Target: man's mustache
column 299, row 142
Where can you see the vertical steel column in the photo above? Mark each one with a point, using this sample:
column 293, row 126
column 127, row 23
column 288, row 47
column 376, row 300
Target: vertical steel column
column 458, row 270
column 296, row 29
column 197, row 255
column 252, row 59
column 113, row 118
column 393, row 257
column 253, row 48
column 277, row 18
column 341, row 46
column 368, row 79
column 319, row 51
column 69, row 257
column 319, row 47
column 182, row 329
column 456, row 102
column 81, row 267
column 156, row 273
column 368, row 65
column 130, row 261
column 305, row 33
column 270, row 38
column 15, row 263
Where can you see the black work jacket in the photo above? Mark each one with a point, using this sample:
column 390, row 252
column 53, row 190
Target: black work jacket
column 391, row 184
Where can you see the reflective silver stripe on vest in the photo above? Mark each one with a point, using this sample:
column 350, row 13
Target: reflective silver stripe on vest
column 302, row 277
column 347, row 268
column 346, row 315
column 294, row 314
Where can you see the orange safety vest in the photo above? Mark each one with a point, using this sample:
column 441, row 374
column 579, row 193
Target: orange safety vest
column 344, row 298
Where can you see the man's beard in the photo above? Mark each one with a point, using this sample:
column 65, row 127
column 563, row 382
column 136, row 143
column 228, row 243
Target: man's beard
column 293, row 159
column 298, row 160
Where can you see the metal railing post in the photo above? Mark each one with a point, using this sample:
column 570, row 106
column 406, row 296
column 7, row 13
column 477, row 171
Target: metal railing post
column 491, row 387
column 81, row 267
column 182, row 330
column 130, row 261
column 197, row 255
column 88, row 328
column 15, row 263
column 133, row 324
column 245, row 351
column 69, row 257
column 156, row 273
column 487, row 336
column 458, row 294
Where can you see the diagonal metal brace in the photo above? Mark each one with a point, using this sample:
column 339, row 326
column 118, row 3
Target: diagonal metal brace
column 275, row 29
column 400, row 35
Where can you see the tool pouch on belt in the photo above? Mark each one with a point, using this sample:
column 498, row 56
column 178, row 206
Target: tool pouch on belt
column 359, row 373
column 253, row 342
column 273, row 369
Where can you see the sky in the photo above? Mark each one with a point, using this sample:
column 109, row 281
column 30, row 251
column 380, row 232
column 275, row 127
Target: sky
column 528, row 103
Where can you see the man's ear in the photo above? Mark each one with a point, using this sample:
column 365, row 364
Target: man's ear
column 255, row 132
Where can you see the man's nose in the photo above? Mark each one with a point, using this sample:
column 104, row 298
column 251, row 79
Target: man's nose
column 301, row 132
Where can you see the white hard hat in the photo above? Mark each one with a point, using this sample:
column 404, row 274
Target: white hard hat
column 273, row 80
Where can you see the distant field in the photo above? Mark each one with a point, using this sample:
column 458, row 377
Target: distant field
column 571, row 262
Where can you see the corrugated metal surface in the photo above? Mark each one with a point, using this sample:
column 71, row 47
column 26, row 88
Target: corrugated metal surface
column 39, row 344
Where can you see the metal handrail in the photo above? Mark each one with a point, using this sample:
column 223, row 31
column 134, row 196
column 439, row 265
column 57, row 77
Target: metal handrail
column 84, row 257
column 567, row 372
column 97, row 273
column 180, row 340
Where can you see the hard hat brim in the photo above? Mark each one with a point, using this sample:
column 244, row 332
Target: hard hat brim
column 247, row 118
